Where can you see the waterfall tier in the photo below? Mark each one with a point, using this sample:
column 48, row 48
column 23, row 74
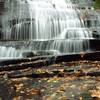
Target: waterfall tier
column 45, row 20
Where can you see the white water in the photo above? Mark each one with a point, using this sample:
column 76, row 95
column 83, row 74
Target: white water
column 45, row 20
column 9, row 52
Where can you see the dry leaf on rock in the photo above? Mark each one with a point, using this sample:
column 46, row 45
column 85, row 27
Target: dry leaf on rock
column 34, row 91
column 95, row 93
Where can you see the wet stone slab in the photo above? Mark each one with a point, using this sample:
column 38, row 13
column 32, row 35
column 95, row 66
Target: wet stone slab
column 70, row 87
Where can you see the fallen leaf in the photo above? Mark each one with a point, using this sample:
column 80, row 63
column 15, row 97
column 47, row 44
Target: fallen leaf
column 34, row 91
column 17, row 98
column 95, row 93
column 19, row 87
column 63, row 98
column 80, row 98
column 62, row 88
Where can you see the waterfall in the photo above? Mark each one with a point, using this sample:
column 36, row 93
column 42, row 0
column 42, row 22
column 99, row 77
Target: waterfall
column 52, row 24
column 9, row 52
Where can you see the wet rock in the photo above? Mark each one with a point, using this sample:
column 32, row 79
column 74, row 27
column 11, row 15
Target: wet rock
column 47, row 52
column 44, row 53
column 28, row 54
column 6, row 93
column 86, row 96
column 5, row 76
column 70, row 70
column 1, row 33
column 55, row 72
column 97, row 73
column 96, row 35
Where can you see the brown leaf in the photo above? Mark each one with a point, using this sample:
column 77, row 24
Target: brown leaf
column 95, row 93
column 18, row 87
column 34, row 91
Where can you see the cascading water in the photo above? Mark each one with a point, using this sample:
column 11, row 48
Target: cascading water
column 9, row 52
column 49, row 24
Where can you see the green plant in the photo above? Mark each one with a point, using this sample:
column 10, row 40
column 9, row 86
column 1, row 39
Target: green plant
column 97, row 4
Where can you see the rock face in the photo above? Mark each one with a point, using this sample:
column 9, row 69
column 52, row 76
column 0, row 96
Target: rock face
column 1, row 5
column 1, row 14
column 1, row 30
column 1, row 34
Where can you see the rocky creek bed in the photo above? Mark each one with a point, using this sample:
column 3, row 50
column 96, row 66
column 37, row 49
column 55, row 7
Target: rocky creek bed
column 76, row 80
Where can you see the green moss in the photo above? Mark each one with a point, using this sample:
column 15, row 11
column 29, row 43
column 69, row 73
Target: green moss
column 97, row 4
